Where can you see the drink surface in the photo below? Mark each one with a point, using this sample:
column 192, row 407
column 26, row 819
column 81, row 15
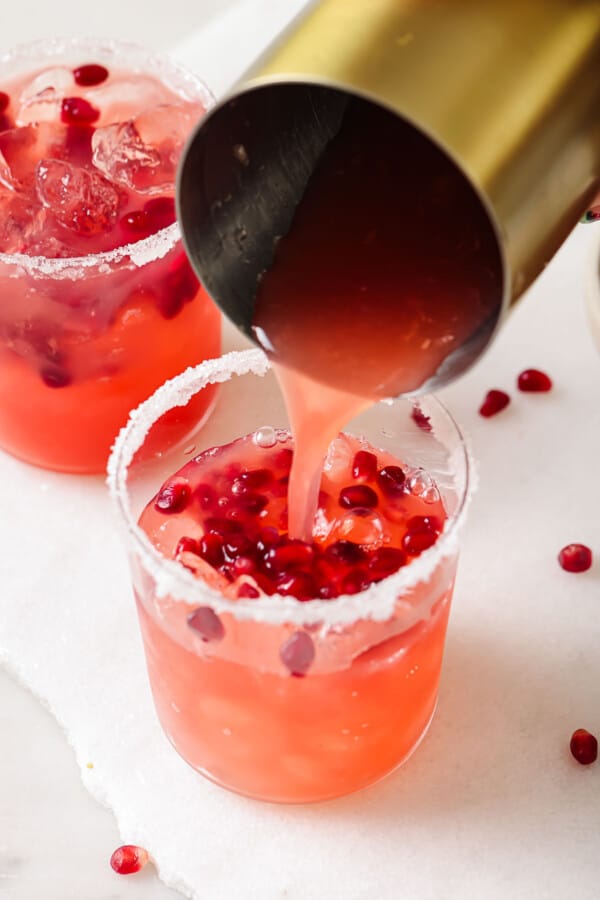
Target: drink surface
column 224, row 515
column 87, row 164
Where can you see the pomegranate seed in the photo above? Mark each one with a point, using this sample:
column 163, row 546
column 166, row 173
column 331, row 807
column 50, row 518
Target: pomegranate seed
column 283, row 459
column 187, row 545
column 90, row 75
column 253, row 503
column 4, row 101
column 256, row 478
column 55, row 376
column 494, row 402
column 584, row 747
column 137, row 222
column 420, row 419
column 364, row 465
column 575, row 558
column 207, row 624
column 424, row 523
column 128, row 859
column 534, row 381
column 323, row 499
column 160, row 211
column 292, row 555
column 236, row 545
column 267, row 537
column 247, row 590
column 414, row 542
column 205, row 495
column 210, row 548
column 173, row 497
column 355, row 581
column 218, row 525
column 77, row 111
column 346, row 552
column 297, row 584
column 179, row 286
column 391, row 480
column 358, row 495
column 298, row 653
column 243, row 565
column 386, row 561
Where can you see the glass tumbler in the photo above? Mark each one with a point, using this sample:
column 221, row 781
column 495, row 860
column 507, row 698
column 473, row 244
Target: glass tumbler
column 230, row 706
column 86, row 334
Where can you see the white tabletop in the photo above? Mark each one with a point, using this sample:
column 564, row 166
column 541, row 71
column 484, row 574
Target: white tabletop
column 492, row 806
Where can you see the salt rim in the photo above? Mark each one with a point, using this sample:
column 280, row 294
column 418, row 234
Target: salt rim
column 377, row 602
column 150, row 248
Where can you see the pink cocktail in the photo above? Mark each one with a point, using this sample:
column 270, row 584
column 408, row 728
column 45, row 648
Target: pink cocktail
column 99, row 303
column 264, row 690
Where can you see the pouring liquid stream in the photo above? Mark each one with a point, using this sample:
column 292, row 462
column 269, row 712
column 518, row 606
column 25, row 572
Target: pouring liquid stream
column 390, row 266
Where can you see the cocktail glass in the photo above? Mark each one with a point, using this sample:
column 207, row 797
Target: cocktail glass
column 230, row 706
column 85, row 338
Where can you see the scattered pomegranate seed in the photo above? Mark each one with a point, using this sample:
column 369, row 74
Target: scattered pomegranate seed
column 128, row 859
column 173, row 497
column 207, row 624
column 360, row 495
column 494, row 402
column 584, row 747
column 414, row 542
column 77, row 111
column 575, row 558
column 90, row 75
column 243, row 565
column 391, row 480
column 179, row 286
column 267, row 537
column 4, row 101
column 298, row 653
column 187, row 545
column 364, row 465
column 256, row 478
column 219, row 525
column 534, row 381
column 355, row 581
column 236, row 545
column 420, row 419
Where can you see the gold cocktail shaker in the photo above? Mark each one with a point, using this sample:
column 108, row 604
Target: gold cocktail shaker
column 508, row 89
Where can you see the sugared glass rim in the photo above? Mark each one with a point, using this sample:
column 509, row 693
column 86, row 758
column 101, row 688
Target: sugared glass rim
column 156, row 245
column 377, row 602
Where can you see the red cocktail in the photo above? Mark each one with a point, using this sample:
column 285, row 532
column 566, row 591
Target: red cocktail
column 99, row 304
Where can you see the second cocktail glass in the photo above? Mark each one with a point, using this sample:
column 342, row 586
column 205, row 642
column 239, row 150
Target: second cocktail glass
column 230, row 705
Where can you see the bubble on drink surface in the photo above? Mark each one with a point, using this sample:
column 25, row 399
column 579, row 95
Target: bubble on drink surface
column 82, row 201
column 41, row 98
column 422, row 485
column 265, row 437
column 142, row 153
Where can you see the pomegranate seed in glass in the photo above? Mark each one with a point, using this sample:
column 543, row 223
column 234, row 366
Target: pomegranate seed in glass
column 273, row 654
column 99, row 304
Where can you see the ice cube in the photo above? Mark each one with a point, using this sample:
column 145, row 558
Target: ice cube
column 339, row 458
column 20, row 222
column 41, row 98
column 81, row 201
column 143, row 153
column 362, row 526
column 21, row 149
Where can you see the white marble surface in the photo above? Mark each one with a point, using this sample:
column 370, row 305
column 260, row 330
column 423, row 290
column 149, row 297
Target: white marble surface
column 491, row 806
